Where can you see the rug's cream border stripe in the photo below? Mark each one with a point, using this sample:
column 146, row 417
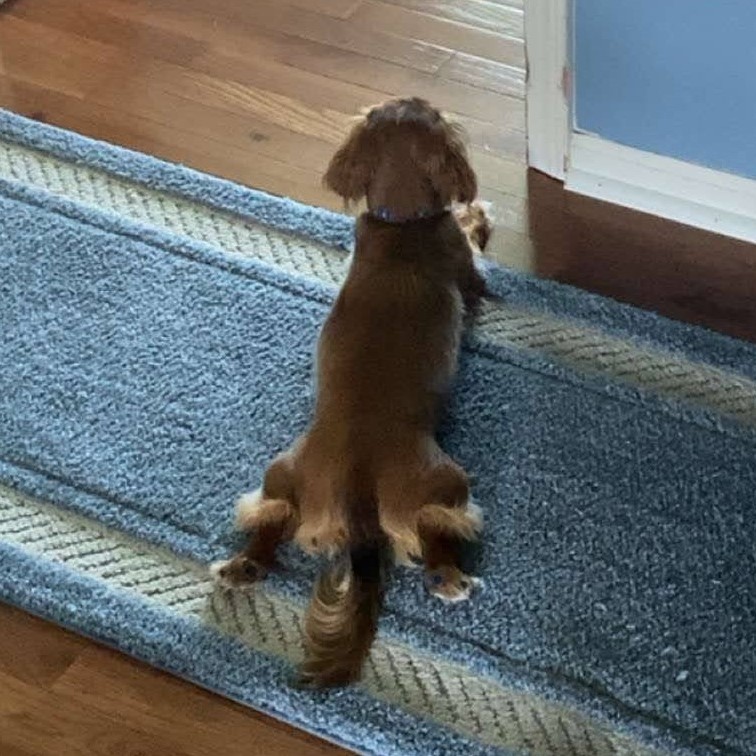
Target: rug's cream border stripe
column 581, row 347
column 426, row 686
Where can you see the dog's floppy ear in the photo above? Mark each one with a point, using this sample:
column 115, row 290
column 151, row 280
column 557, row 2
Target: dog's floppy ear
column 351, row 168
column 453, row 177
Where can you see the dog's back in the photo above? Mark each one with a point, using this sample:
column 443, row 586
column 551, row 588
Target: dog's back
column 368, row 479
column 386, row 358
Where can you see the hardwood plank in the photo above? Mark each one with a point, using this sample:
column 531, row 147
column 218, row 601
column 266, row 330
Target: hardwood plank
column 297, row 81
column 245, row 45
column 500, row 173
column 297, row 100
column 75, row 66
column 309, row 25
column 413, row 25
column 497, row 138
column 317, row 120
column 103, row 681
column 333, row 8
column 335, row 98
column 26, row 653
column 156, row 75
column 233, row 47
column 287, row 81
column 37, row 720
column 386, row 79
column 253, row 135
column 500, row 18
column 261, row 137
column 285, row 102
column 484, row 74
column 87, row 20
column 106, row 703
column 378, row 80
column 171, row 143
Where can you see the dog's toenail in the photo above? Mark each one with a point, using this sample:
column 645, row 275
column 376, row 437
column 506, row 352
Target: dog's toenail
column 464, row 583
column 437, row 579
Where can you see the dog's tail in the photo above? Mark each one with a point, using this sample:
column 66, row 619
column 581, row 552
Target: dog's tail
column 342, row 617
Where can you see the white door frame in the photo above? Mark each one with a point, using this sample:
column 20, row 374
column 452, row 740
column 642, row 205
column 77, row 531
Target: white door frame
column 691, row 194
column 549, row 120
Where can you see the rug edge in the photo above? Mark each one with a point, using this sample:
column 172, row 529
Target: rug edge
column 106, row 222
column 603, row 711
column 192, row 634
column 315, row 223
column 325, row 226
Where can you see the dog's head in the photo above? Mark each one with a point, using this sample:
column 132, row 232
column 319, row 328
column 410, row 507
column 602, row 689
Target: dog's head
column 406, row 151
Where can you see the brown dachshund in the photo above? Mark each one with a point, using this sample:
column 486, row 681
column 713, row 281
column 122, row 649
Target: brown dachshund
column 367, row 480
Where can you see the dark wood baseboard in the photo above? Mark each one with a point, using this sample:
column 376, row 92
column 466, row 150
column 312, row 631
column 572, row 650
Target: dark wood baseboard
column 678, row 271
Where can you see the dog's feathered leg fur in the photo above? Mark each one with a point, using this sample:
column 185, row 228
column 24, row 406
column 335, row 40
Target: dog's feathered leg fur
column 268, row 516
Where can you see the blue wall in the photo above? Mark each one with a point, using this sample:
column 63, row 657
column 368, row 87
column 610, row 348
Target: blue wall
column 675, row 77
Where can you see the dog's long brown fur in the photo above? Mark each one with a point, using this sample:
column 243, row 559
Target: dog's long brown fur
column 368, row 481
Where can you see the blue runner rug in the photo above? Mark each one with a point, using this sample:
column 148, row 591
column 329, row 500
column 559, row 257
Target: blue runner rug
column 157, row 327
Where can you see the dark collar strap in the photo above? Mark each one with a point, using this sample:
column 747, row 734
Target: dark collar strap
column 386, row 215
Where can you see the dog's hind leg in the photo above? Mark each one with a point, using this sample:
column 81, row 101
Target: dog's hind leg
column 443, row 528
column 269, row 517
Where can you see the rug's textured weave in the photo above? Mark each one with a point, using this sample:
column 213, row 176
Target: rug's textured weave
column 157, row 330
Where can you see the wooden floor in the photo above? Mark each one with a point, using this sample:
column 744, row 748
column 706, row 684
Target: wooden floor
column 261, row 91
column 62, row 695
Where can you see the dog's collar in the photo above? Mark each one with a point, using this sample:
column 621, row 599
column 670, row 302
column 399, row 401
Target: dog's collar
column 387, row 215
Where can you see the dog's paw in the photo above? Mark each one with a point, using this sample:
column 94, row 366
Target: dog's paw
column 237, row 572
column 450, row 584
column 476, row 220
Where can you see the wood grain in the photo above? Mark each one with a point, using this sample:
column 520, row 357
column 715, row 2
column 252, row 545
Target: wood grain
column 439, row 31
column 77, row 66
column 26, row 653
column 104, row 682
column 500, row 18
column 344, row 34
column 63, row 695
column 255, row 103
column 484, row 74
column 247, row 43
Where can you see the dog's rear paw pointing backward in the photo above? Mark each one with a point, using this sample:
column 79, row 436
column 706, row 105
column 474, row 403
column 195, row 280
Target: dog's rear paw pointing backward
column 237, row 572
column 450, row 584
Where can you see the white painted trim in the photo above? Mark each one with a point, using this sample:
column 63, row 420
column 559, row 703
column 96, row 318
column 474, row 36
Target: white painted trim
column 683, row 192
column 690, row 194
column 548, row 110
